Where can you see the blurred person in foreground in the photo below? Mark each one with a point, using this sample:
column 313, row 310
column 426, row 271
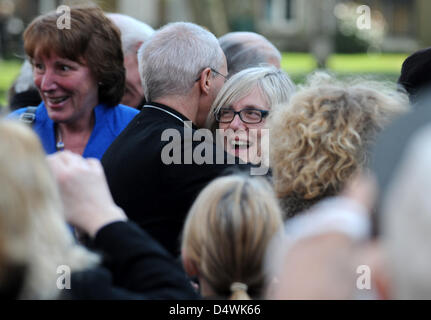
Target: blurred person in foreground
column 248, row 49
column 240, row 110
column 406, row 224
column 322, row 137
column 324, row 247
column 133, row 34
column 36, row 243
column 80, row 76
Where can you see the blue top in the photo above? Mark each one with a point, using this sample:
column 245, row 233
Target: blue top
column 108, row 123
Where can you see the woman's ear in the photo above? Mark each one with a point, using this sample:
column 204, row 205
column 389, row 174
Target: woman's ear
column 189, row 265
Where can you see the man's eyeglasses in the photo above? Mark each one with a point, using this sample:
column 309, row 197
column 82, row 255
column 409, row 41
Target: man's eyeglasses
column 216, row 72
column 251, row 116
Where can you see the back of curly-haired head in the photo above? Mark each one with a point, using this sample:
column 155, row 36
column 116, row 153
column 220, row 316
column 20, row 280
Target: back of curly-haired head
column 322, row 136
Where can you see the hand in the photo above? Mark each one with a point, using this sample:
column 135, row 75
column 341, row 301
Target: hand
column 88, row 204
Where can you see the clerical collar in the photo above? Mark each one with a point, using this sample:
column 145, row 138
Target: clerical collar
column 172, row 112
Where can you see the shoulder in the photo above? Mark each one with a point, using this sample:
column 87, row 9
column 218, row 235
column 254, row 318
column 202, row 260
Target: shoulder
column 125, row 111
column 17, row 113
column 116, row 118
column 293, row 205
column 118, row 112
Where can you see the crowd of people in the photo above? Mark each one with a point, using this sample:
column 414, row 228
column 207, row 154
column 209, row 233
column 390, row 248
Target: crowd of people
column 169, row 164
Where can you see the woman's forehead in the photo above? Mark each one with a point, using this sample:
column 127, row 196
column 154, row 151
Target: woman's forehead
column 43, row 53
column 253, row 97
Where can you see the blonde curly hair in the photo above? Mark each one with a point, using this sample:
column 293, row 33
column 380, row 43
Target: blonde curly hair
column 321, row 137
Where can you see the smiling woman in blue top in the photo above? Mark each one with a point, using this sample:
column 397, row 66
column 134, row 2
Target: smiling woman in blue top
column 80, row 76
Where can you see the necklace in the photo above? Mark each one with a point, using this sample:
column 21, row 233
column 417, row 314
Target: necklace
column 60, row 143
column 170, row 113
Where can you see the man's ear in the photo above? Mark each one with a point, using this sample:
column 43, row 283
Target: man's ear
column 205, row 81
column 189, row 266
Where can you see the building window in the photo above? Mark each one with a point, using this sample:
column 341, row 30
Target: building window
column 277, row 11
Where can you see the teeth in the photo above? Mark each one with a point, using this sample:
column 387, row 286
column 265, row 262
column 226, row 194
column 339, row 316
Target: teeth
column 239, row 144
column 57, row 100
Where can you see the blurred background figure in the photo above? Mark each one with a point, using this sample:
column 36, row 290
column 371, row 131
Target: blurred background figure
column 248, row 49
column 243, row 105
column 80, row 78
column 23, row 92
column 415, row 77
column 133, row 34
column 323, row 135
column 226, row 234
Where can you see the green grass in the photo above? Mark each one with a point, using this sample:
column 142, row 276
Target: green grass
column 9, row 70
column 298, row 65
column 377, row 66
column 363, row 63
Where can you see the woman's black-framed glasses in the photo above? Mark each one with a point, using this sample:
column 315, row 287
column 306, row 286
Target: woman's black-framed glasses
column 251, row 116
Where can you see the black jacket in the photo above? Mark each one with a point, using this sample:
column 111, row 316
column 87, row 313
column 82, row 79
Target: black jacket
column 155, row 195
column 135, row 267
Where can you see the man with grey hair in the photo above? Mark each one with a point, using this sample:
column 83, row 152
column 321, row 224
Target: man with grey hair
column 182, row 69
column 133, row 34
column 248, row 49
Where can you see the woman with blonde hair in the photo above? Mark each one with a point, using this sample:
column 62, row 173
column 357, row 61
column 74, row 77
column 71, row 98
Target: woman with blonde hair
column 323, row 135
column 39, row 258
column 241, row 107
column 226, row 235
column 32, row 228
